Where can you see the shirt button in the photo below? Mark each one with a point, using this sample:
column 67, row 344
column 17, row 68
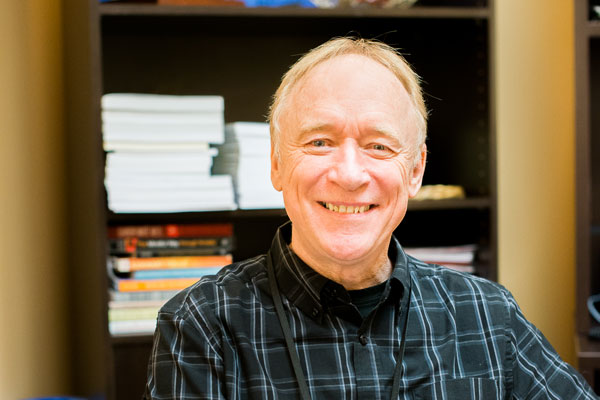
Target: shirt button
column 315, row 312
column 363, row 339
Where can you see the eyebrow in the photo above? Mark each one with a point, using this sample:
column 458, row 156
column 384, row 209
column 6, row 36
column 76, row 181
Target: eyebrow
column 381, row 129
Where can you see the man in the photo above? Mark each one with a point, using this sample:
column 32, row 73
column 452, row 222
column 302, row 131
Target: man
column 336, row 309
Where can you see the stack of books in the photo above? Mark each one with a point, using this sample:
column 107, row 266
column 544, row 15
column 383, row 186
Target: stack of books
column 459, row 258
column 246, row 155
column 149, row 264
column 159, row 154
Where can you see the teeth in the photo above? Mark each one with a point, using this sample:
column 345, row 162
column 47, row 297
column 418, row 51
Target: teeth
column 346, row 209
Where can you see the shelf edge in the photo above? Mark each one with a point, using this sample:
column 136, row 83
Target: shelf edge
column 198, row 11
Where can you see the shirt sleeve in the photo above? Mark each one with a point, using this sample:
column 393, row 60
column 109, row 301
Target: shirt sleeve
column 538, row 371
column 185, row 362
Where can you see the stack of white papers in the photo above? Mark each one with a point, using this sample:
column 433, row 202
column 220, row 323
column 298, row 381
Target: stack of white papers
column 460, row 258
column 159, row 157
column 246, row 155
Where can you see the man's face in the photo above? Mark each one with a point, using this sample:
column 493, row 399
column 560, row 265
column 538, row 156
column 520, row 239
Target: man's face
column 346, row 166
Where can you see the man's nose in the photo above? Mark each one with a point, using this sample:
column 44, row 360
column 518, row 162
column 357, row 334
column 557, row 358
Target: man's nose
column 349, row 167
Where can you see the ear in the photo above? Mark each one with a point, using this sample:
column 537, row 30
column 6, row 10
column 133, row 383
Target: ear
column 416, row 176
column 275, row 169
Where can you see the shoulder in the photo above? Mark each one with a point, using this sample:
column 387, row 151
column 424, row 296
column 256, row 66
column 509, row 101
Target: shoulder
column 231, row 287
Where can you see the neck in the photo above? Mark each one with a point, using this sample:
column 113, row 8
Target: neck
column 354, row 274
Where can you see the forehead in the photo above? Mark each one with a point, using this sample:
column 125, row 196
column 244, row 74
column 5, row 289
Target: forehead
column 351, row 87
column 352, row 73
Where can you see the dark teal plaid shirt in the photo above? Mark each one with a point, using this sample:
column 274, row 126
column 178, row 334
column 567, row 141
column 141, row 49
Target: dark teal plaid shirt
column 466, row 338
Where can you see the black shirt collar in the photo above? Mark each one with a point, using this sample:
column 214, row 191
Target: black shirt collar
column 310, row 291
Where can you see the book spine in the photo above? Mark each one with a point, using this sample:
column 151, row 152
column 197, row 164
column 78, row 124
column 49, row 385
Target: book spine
column 132, row 326
column 175, row 273
column 141, row 296
column 130, row 264
column 171, row 231
column 133, row 285
column 137, row 313
column 134, row 244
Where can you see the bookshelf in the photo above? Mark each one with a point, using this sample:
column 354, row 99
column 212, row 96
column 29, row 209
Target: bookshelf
column 587, row 87
column 241, row 53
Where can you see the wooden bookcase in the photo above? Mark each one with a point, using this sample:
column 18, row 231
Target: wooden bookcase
column 587, row 68
column 241, row 53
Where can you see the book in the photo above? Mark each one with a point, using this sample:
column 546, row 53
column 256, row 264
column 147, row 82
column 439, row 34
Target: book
column 135, row 285
column 115, row 304
column 170, row 246
column 144, row 102
column 130, row 264
column 116, row 297
column 146, row 147
column 175, row 273
column 128, row 327
column 161, row 118
column 444, row 255
column 123, row 206
column 171, row 230
column 132, row 313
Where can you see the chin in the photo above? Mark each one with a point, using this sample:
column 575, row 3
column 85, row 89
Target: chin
column 349, row 250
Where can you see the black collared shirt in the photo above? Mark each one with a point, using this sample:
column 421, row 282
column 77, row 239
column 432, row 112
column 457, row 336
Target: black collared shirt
column 466, row 338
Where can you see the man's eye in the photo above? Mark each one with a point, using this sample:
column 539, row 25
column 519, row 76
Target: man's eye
column 379, row 147
column 318, row 143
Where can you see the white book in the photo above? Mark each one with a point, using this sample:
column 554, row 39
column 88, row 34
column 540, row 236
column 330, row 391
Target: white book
column 148, row 163
column 444, row 255
column 211, row 133
column 162, row 118
column 173, row 195
column 244, row 129
column 127, row 158
column 145, row 147
column 257, row 147
column 196, row 137
column 128, row 207
column 168, row 182
column 161, row 103
column 132, row 326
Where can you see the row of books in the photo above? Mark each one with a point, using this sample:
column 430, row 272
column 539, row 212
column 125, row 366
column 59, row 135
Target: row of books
column 149, row 264
column 159, row 154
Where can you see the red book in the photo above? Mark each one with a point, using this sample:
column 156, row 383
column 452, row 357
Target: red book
column 129, row 264
column 170, row 230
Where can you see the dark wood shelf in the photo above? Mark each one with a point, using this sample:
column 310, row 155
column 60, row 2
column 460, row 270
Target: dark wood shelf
column 593, row 29
column 191, row 216
column 450, row 204
column 343, row 12
column 140, row 338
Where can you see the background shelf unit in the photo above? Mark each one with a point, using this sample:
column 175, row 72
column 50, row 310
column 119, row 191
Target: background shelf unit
column 241, row 54
column 587, row 60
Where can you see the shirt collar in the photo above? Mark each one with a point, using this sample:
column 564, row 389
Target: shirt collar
column 308, row 290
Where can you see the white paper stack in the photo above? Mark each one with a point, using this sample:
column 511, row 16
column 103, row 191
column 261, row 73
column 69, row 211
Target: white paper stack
column 246, row 155
column 460, row 258
column 159, row 157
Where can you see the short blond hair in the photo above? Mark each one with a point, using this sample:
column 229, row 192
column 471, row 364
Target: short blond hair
column 373, row 49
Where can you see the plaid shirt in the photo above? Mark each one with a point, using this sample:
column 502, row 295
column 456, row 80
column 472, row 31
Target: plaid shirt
column 466, row 338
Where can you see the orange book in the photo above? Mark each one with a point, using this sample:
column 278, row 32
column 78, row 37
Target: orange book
column 136, row 285
column 129, row 264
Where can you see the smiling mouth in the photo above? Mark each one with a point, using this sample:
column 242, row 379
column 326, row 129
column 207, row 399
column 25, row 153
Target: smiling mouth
column 344, row 209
